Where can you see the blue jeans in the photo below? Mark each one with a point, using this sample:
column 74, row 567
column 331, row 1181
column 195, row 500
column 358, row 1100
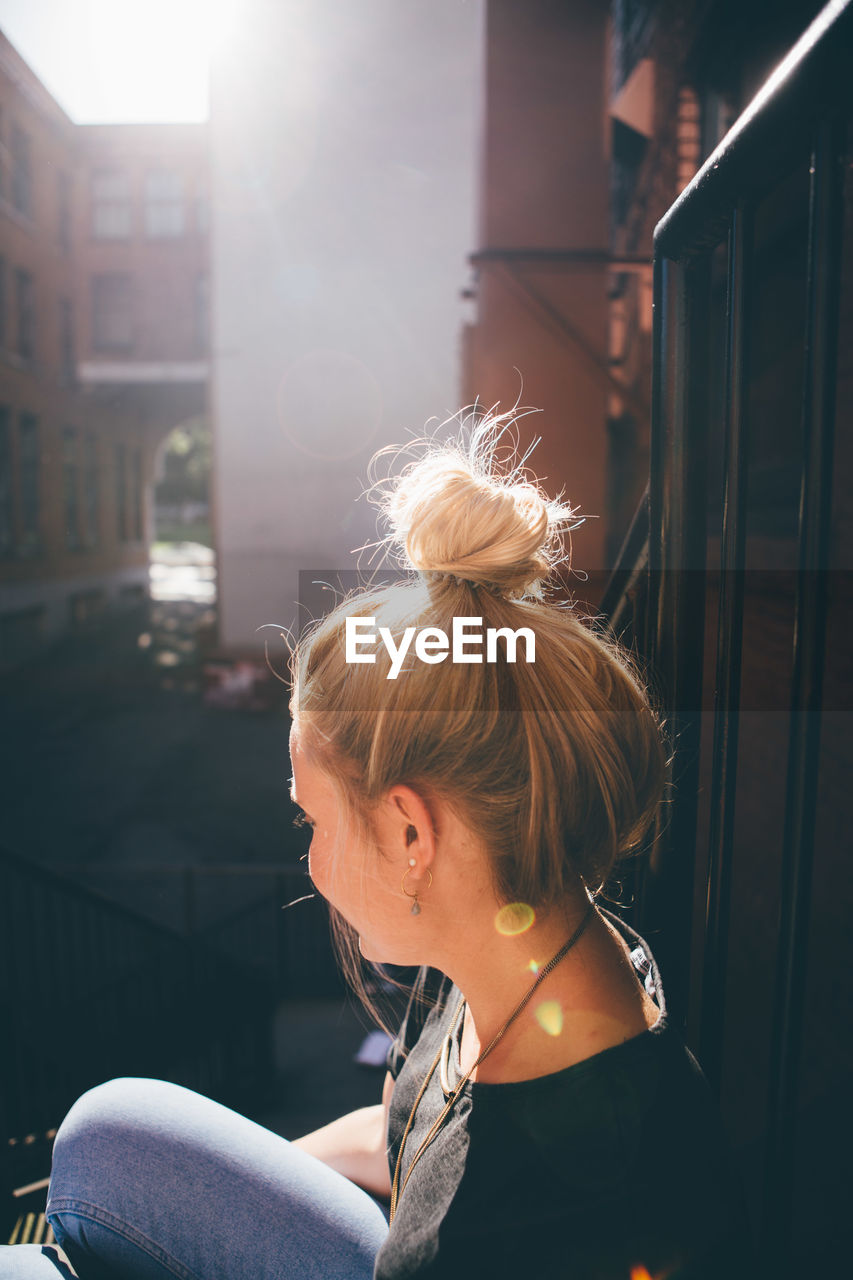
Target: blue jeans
column 152, row 1181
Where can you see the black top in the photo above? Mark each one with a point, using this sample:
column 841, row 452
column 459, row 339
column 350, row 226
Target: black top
column 613, row 1164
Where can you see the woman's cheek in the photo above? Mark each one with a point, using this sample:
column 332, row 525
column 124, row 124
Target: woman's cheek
column 315, row 864
column 320, row 865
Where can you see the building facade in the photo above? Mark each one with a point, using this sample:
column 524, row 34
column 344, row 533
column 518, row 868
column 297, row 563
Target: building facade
column 103, row 349
column 343, row 195
column 540, row 266
column 594, row 118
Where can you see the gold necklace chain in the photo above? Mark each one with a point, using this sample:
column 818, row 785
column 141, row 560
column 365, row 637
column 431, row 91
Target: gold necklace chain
column 396, row 1189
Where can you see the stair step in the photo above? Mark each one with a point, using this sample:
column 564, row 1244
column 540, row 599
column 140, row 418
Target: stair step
column 32, row 1228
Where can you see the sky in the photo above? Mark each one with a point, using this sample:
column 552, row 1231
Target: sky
column 120, row 61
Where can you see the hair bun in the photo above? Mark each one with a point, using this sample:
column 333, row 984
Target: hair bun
column 455, row 512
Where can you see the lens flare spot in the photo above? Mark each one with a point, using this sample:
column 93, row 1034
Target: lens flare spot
column 549, row 1015
column 640, row 1273
column 515, row 917
column 533, row 966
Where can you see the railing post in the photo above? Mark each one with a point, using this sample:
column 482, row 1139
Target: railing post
column 729, row 646
column 189, row 896
column 825, row 244
column 677, row 604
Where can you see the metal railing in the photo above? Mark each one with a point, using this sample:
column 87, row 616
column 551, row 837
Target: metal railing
column 266, row 917
column 748, row 264
column 89, row 991
column 625, row 596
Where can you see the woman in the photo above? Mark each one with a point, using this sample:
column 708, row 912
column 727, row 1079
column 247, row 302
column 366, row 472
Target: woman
column 473, row 760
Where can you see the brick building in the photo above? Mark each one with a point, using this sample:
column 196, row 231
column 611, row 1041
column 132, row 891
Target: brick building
column 541, row 260
column 103, row 348
column 595, row 117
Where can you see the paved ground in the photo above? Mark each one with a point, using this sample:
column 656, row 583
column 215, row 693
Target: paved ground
column 110, row 756
column 119, row 771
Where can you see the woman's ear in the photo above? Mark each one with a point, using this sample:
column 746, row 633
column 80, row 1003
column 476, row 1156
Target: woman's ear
column 412, row 825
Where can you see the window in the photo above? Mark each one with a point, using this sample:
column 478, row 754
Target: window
column 22, row 178
column 25, row 309
column 63, row 206
column 136, row 493
column 67, row 366
column 112, row 312
column 29, row 470
column 85, row 607
column 202, row 312
column 6, row 530
column 3, row 287
column 91, row 491
column 688, row 136
column 71, row 505
column 121, row 492
column 111, row 214
column 164, row 204
column 21, row 634
column 202, row 212
column 719, row 113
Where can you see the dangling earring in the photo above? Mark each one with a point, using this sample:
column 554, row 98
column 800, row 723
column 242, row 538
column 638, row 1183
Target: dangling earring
column 416, row 906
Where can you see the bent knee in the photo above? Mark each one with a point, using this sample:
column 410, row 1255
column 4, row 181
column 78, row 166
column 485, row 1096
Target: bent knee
column 115, row 1103
column 102, row 1124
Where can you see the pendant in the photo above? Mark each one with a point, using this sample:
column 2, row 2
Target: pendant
column 416, row 908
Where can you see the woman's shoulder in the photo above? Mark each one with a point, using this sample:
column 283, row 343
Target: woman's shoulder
column 646, row 1091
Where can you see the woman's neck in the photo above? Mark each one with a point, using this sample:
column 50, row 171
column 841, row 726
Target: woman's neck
column 494, row 967
column 590, row 1001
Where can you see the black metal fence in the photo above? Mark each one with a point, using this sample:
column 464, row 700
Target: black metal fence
column 744, row 612
column 89, row 991
column 266, row 917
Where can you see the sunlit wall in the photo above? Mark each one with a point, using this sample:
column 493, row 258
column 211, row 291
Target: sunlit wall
column 344, row 158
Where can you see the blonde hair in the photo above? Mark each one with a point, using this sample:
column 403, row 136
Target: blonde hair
column 557, row 764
